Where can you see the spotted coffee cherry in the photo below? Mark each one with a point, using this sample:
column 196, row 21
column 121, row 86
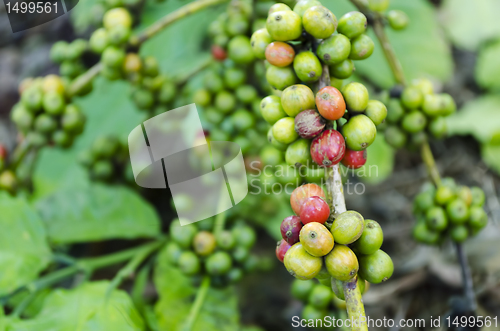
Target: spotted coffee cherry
column 314, row 209
column 328, row 148
column 290, row 229
column 330, row 103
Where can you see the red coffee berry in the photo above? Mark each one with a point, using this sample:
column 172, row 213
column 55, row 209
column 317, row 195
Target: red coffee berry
column 314, row 209
column 301, row 193
column 330, row 103
column 219, row 53
column 328, row 148
column 280, row 54
column 309, row 124
column 3, row 152
column 281, row 249
column 354, row 159
column 290, row 229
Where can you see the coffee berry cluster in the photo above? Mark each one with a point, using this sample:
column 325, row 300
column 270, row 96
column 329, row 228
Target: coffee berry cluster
column 196, row 250
column 449, row 211
column 107, row 160
column 69, row 56
column 418, row 114
column 348, row 247
column 228, row 97
column 302, row 122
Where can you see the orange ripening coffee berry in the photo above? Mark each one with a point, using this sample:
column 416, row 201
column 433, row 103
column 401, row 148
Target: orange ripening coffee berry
column 219, row 53
column 280, row 54
column 301, row 193
column 330, row 103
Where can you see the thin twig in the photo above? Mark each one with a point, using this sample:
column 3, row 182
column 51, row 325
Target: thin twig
column 466, row 277
column 430, row 163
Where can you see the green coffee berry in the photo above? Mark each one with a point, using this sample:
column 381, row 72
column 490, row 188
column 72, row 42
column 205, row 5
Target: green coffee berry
column 319, row 22
column 342, row 70
column 298, row 153
column 395, row 137
column 240, row 50
column 284, row 25
column 376, row 111
column 355, row 96
column 271, row 109
column 307, row 66
column 362, row 47
column 352, row 24
column 413, row 122
column 281, row 78
column 359, row 132
column 334, row 49
column 398, row 20
column 284, row 130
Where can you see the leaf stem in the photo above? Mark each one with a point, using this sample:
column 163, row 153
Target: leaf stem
column 165, row 21
column 467, row 278
column 198, row 303
column 354, row 302
column 430, row 163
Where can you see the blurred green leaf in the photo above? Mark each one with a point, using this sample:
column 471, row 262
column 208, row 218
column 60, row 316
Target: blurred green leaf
column 488, row 66
column 491, row 156
column 469, row 23
column 97, row 213
column 422, row 50
column 34, row 307
column 218, row 313
column 109, row 111
column 379, row 163
column 478, row 117
column 85, row 14
column 24, row 251
column 85, row 308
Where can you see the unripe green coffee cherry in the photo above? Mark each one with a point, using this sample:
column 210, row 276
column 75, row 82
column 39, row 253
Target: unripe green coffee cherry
column 118, row 35
column 278, row 7
column 335, row 49
column 319, row 22
column 298, row 153
column 189, row 263
column 221, row 40
column 213, row 115
column 412, row 98
column 244, row 235
column 281, row 78
column 423, row 234
column 352, row 24
column 225, row 240
column 58, row 51
column 444, row 194
column 76, row 49
column 240, row 50
column 419, row 138
column 204, row 243
column 45, row 123
column 307, row 67
column 342, row 263
column 376, row 268
column 371, row 239
column 359, row 132
column 182, row 235
column 347, row 227
column 394, row 111
column 32, row 98
column 465, row 193
column 150, row 66
column 234, row 77
column 478, row 197
column 362, row 47
column 8, row 181
column 284, row 130
column 303, row 5
column 312, row 313
column 320, row 296
column 99, row 41
column 342, row 70
column 424, row 201
column 284, row 25
column 278, row 145
column 62, row 139
column 242, row 120
column 102, row 170
column 436, row 219
column 478, row 218
column 202, row 97
column 448, row 104
column 269, row 155
column 414, row 121
column 438, row 127
column 259, row 41
column 53, row 103
column 458, row 211
column 117, row 16
column 398, row 20
column 271, row 109
column 302, row 288
column 225, row 101
column 172, row 252
column 395, row 137
column 376, row 111
column 459, row 233
column 424, row 85
column 144, row 99
column 378, row 5
column 167, row 92
column 213, row 82
column 301, row 264
column 237, row 25
column 113, row 57
column 246, row 93
column 355, row 96
column 297, row 98
column 22, row 117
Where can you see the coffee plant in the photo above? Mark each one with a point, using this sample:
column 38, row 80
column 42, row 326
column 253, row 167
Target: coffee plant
column 288, row 82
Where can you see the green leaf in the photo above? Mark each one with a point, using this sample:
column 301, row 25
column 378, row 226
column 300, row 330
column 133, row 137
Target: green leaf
column 488, row 66
column 219, row 311
column 478, row 117
column 85, row 14
column 421, row 49
column 491, row 156
column 469, row 23
column 379, row 163
column 85, row 308
column 98, row 212
column 109, row 111
column 24, row 251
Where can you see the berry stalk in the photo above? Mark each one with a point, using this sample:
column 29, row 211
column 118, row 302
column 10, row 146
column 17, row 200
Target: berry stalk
column 354, row 302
